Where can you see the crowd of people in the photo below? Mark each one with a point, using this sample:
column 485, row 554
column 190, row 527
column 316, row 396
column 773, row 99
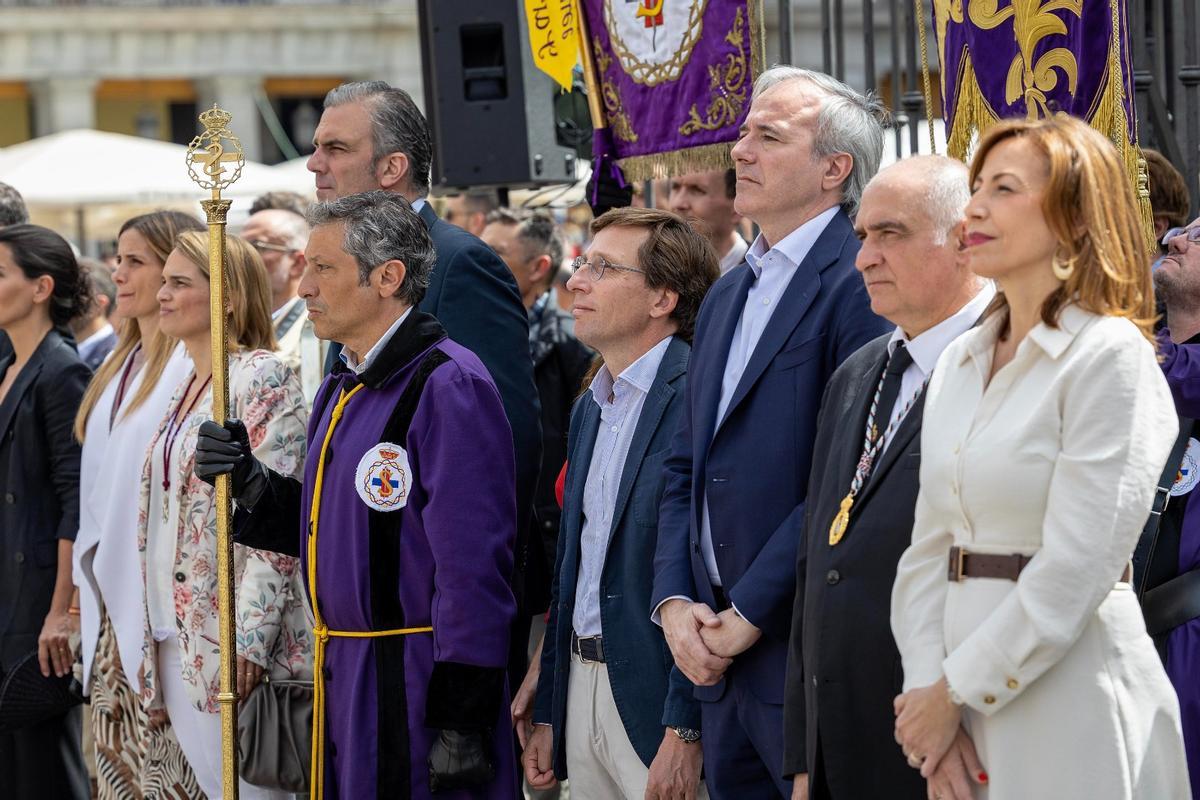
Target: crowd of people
column 817, row 480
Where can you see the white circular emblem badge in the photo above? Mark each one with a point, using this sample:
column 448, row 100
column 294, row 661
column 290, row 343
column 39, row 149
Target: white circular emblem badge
column 1189, row 471
column 383, row 478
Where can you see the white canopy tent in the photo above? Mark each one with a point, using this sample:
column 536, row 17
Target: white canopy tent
column 80, row 181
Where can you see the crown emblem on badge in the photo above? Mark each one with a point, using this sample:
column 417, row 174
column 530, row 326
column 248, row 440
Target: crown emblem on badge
column 390, row 455
column 215, row 119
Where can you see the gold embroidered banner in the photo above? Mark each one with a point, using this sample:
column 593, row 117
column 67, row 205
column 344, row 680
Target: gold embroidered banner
column 675, row 78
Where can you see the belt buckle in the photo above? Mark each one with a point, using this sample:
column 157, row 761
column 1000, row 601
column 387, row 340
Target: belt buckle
column 958, row 557
column 579, row 650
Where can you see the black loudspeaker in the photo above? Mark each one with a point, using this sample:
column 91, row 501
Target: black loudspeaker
column 491, row 111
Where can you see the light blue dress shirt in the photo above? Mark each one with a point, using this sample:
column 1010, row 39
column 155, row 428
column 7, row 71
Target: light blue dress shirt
column 620, row 404
column 773, row 270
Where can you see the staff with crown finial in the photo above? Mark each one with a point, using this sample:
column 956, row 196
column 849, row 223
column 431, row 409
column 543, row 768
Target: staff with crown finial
column 207, row 159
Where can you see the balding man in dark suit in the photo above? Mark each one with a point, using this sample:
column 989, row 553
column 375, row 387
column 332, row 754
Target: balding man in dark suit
column 843, row 666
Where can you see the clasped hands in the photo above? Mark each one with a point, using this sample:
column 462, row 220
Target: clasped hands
column 704, row 642
column 930, row 734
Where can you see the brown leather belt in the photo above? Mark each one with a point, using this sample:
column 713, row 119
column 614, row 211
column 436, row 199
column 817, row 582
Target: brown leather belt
column 986, row 565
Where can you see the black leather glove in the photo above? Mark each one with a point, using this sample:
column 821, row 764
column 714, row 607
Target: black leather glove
column 460, row 760
column 224, row 450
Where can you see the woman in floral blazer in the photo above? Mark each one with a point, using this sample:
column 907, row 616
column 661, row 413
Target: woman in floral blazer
column 177, row 523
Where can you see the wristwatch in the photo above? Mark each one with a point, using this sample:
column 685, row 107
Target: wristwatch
column 687, row 735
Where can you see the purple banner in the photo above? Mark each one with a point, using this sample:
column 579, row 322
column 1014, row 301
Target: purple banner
column 1034, row 58
column 675, row 78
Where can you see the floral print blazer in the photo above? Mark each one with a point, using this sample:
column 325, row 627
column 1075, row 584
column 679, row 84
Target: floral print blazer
column 274, row 627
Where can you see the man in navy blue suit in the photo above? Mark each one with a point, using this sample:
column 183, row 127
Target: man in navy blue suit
column 372, row 136
column 769, row 335
column 611, row 710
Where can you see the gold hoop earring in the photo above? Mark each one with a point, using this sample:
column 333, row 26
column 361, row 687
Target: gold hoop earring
column 1063, row 270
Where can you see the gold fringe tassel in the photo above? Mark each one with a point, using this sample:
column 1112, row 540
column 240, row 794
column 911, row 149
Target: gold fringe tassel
column 971, row 114
column 677, row 162
column 701, row 158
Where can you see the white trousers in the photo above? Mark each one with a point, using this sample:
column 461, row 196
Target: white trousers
column 601, row 761
column 199, row 732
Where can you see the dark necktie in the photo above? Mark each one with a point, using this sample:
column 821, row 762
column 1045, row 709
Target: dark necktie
column 893, row 374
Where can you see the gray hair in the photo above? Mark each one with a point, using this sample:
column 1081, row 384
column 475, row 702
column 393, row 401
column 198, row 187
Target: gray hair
column 289, row 226
column 12, row 206
column 536, row 230
column 943, row 189
column 397, row 126
column 848, row 122
column 380, row 227
column 100, row 277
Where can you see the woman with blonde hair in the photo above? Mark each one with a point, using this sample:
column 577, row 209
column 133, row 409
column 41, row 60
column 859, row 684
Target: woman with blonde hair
column 177, row 521
column 1012, row 608
column 121, row 407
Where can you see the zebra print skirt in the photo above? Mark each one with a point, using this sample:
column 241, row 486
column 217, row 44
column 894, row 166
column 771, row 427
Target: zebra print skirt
column 133, row 762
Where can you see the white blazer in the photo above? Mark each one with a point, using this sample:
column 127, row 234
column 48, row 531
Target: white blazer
column 1058, row 458
column 107, row 568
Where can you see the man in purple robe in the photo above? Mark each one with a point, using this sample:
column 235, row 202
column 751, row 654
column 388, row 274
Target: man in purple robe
column 1171, row 580
column 408, row 493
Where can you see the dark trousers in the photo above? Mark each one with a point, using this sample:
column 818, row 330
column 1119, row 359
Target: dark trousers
column 743, row 746
column 45, row 761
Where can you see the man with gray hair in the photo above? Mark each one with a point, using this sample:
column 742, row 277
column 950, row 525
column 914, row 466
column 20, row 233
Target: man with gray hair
column 280, row 236
column 405, row 521
column 93, row 332
column 843, row 667
column 12, row 207
column 770, row 334
column 372, row 136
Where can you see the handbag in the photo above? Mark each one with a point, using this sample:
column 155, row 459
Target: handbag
column 275, row 735
column 27, row 697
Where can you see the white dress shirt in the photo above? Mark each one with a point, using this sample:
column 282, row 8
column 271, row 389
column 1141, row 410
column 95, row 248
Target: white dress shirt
column 773, row 271
column 736, row 254
column 925, row 350
column 620, row 404
column 360, row 367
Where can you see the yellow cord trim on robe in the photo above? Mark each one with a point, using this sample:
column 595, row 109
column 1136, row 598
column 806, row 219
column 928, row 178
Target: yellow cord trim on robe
column 321, row 632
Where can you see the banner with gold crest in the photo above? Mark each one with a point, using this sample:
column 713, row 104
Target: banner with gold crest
column 1035, row 58
column 674, row 78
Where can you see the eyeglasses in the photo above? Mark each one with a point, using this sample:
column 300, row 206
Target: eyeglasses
column 260, row 244
column 1193, row 235
column 596, row 269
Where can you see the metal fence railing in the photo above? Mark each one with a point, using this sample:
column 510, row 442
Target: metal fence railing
column 876, row 41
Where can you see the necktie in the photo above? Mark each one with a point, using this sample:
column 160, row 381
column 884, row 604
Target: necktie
column 893, row 375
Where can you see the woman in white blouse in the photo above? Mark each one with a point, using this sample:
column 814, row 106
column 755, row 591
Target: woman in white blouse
column 177, row 524
column 119, row 413
column 1012, row 610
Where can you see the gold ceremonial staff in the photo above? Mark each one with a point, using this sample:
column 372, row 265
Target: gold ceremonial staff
column 210, row 151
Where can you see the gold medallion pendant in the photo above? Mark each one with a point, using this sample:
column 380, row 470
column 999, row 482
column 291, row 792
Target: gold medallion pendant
column 842, row 521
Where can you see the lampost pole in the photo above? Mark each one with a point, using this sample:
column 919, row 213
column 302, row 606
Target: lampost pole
column 208, row 155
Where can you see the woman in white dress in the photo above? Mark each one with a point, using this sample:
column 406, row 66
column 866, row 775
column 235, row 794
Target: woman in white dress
column 1051, row 426
column 177, row 521
column 120, row 412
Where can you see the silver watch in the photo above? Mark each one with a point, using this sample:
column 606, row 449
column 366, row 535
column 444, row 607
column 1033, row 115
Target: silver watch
column 687, row 735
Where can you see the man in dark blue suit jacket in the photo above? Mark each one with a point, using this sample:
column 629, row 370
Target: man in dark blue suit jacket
column 611, row 710
column 770, row 334
column 373, row 136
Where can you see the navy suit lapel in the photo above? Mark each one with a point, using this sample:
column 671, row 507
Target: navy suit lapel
column 797, row 298
column 673, row 365
column 581, row 460
column 725, row 320
column 428, row 215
